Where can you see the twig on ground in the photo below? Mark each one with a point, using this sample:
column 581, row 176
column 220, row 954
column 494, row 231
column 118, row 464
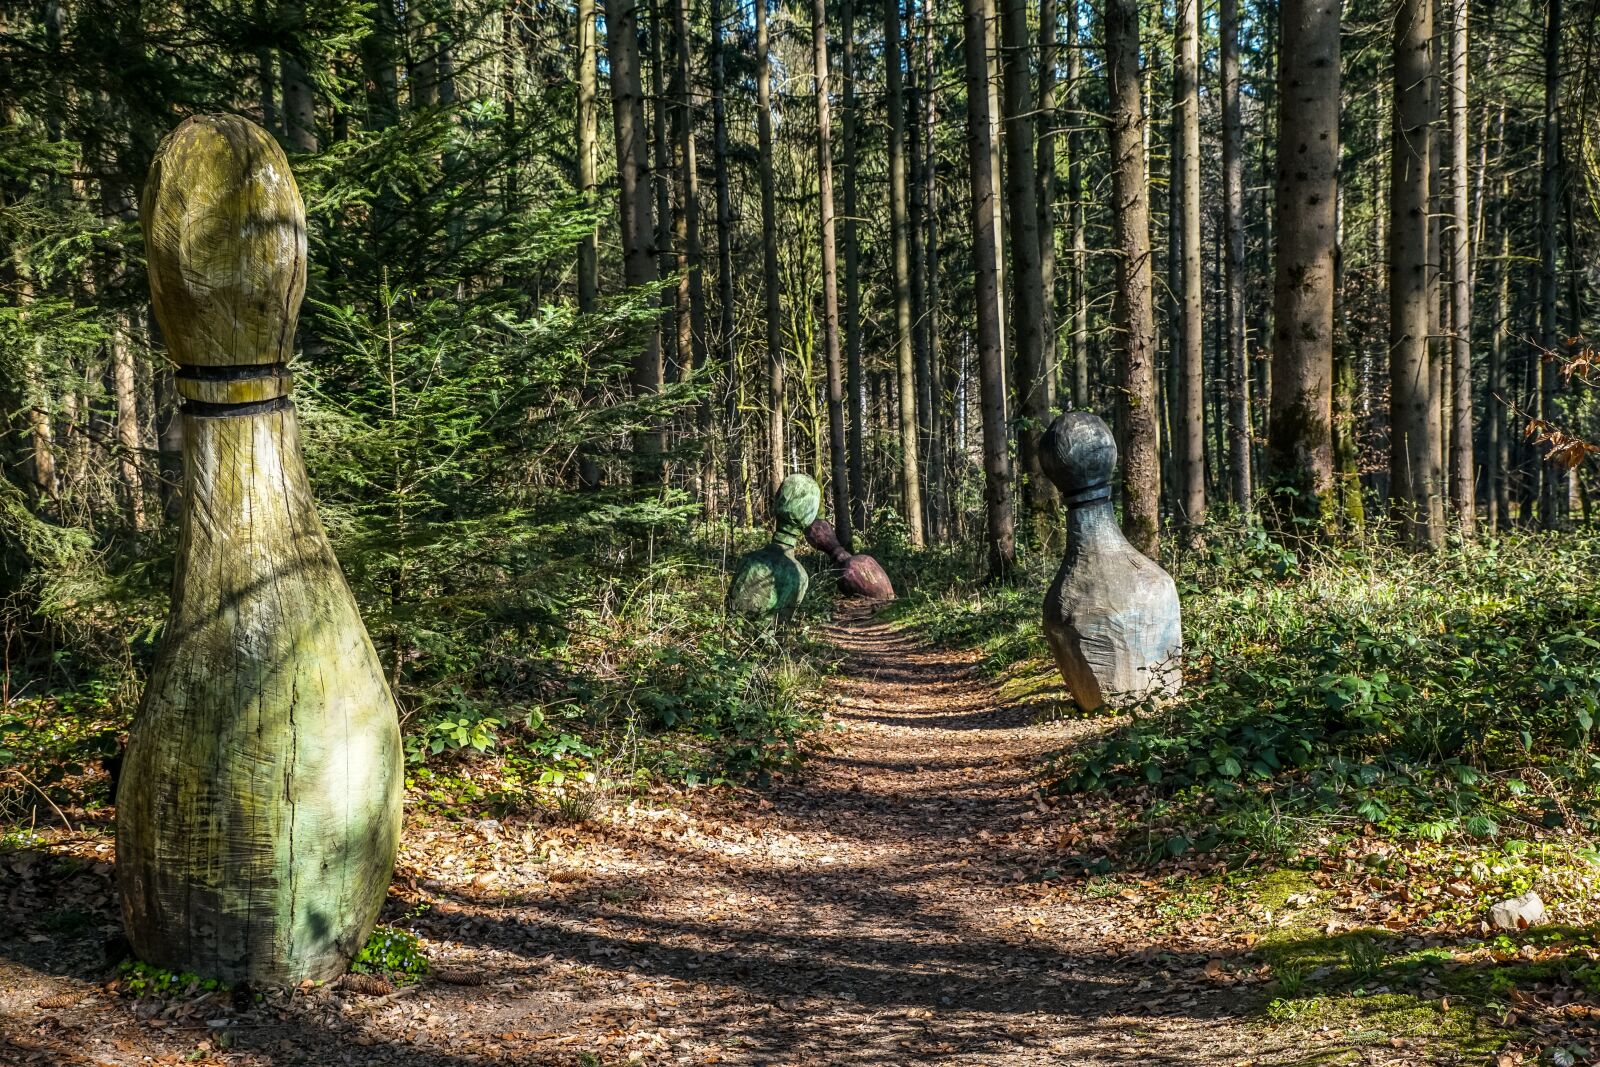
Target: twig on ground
column 59, row 813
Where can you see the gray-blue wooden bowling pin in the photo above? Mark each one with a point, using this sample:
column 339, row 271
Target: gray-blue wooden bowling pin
column 1111, row 616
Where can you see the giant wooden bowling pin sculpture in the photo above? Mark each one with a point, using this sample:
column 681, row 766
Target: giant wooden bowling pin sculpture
column 770, row 583
column 259, row 806
column 1111, row 616
column 860, row 576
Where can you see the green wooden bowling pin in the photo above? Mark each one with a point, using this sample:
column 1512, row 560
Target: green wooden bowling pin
column 770, row 583
column 259, row 807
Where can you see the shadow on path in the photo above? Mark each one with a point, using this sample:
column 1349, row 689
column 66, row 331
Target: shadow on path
column 857, row 915
column 867, row 920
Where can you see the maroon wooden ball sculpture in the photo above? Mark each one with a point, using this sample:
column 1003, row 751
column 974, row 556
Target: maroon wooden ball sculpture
column 859, row 576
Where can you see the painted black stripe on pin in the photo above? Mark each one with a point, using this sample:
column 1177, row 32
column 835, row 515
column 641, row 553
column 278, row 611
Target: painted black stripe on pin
column 237, row 373
column 1091, row 494
column 204, row 410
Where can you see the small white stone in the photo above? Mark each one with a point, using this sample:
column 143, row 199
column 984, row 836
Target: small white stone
column 1518, row 913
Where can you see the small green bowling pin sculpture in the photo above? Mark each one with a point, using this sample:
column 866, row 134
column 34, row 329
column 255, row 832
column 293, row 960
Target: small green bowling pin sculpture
column 770, row 583
column 1111, row 617
column 259, row 806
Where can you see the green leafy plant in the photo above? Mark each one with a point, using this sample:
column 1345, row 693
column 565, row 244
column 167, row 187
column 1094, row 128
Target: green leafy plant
column 1364, row 957
column 393, row 954
column 1288, row 976
column 139, row 979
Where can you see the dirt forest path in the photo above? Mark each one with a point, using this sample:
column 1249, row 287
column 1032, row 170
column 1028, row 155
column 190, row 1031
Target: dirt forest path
column 879, row 926
column 861, row 913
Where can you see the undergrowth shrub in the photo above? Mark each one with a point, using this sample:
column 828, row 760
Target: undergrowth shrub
column 393, row 954
column 138, row 979
column 645, row 679
column 1430, row 695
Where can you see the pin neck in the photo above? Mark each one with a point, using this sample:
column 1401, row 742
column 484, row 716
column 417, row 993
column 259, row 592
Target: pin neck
column 1089, row 494
column 1090, row 518
column 786, row 536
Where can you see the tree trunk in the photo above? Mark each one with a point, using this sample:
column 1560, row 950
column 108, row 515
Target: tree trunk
column 422, row 73
column 125, row 391
column 379, row 57
column 1551, row 481
column 1049, row 58
column 852, row 276
column 917, row 186
column 1168, row 387
column 1348, row 505
column 1267, row 90
column 1001, row 536
column 991, row 29
column 116, row 206
column 1080, row 295
column 910, row 475
column 1028, row 298
column 830, row 275
column 769, row 253
column 1130, row 224
column 1497, row 445
column 588, row 123
column 299, row 102
column 1234, row 263
column 1462, row 474
column 1574, row 279
column 39, row 452
column 1216, row 367
column 266, row 76
column 726, row 340
column 691, row 255
column 661, row 178
column 1414, row 487
column 1299, row 439
column 506, row 73
column 633, row 200
column 446, row 58
column 939, row 391
column 1189, row 416
column 1438, row 312
column 1497, row 432
column 588, row 131
column 74, row 442
column 42, row 456
column 1480, row 194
